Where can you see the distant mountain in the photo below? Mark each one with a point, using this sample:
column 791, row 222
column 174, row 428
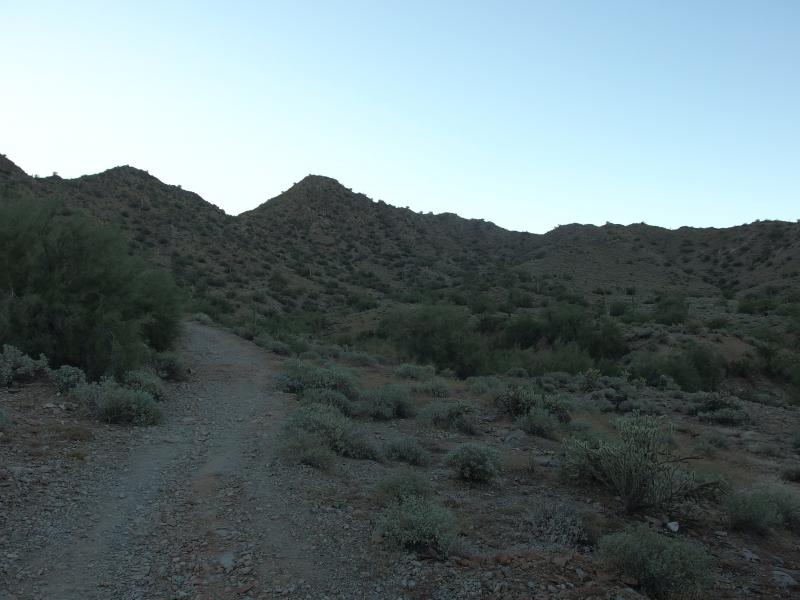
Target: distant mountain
column 321, row 247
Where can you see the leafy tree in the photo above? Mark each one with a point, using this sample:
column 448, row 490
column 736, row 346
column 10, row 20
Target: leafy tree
column 71, row 291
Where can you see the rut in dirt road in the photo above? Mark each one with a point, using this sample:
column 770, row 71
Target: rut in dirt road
column 196, row 508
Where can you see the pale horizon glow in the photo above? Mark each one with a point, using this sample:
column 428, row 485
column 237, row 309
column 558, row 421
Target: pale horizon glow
column 527, row 114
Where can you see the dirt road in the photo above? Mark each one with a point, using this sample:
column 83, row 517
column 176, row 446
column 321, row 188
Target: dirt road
column 199, row 507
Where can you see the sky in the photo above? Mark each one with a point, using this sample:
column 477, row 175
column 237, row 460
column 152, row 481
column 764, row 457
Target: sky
column 529, row 114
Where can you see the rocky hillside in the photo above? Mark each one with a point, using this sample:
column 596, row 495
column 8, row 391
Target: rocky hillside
column 321, row 247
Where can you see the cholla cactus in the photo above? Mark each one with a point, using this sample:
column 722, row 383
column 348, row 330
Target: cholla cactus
column 639, row 466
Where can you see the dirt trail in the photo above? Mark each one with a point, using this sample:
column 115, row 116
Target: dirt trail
column 196, row 508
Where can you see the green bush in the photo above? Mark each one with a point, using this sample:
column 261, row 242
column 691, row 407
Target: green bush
column 484, row 385
column 418, row 524
column 403, row 484
column 453, row 415
column 640, row 466
column 298, row 376
column 70, row 290
column 407, row 450
column 387, row 402
column 16, row 366
column 441, row 335
column 341, row 434
column 697, row 368
column 118, row 405
column 307, row 448
column 791, row 474
column 329, row 397
column 65, row 378
column 417, row 372
column 666, row 568
column 146, row 381
column 751, row 511
column 670, row 310
column 472, row 462
column 757, row 511
column 540, row 422
column 435, row 387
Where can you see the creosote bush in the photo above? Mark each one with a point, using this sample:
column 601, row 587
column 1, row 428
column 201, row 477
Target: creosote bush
column 418, row 524
column 538, row 421
column 146, row 381
column 5, row 420
column 408, row 450
column 341, row 434
column 435, row 387
column 403, row 484
column 416, row 372
column 16, row 366
column 472, row 462
column 639, row 466
column 757, row 511
column 329, row 397
column 667, row 568
column 65, row 378
column 298, row 376
column 390, row 401
column 112, row 403
column 308, row 448
column 453, row 415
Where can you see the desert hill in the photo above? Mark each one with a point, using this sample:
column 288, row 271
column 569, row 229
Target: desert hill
column 321, row 247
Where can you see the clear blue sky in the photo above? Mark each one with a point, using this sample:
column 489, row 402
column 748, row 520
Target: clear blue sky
column 528, row 114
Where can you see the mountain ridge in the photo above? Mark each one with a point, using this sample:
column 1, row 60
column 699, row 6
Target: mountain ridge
column 321, row 247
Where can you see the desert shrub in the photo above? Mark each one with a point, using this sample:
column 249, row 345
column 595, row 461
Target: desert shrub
column 146, row 381
column 640, row 466
column 17, row 366
column 708, row 444
column 484, row 385
column 417, row 372
column 418, row 524
column 70, row 290
column 387, row 402
column 408, row 450
column 452, row 415
column 298, row 376
column 435, row 387
column 697, row 368
column 670, row 310
column 538, row 421
column 169, row 366
column 329, row 397
column 361, row 359
column 720, row 409
column 307, row 448
column 403, row 484
column 473, row 462
column 112, row 403
column 753, row 511
column 563, row 357
column 557, row 523
column 266, row 341
column 666, row 567
column 796, row 440
column 437, row 334
column 65, row 378
column 788, row 507
column 340, row 433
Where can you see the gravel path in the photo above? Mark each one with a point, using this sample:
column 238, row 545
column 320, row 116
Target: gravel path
column 196, row 508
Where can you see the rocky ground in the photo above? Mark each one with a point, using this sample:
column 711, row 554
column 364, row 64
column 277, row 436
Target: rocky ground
column 202, row 507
